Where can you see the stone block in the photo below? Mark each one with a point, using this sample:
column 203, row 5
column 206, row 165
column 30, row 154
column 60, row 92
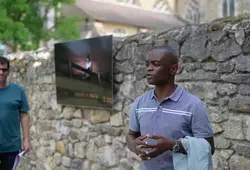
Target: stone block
column 60, row 146
column 98, row 116
column 233, row 129
column 240, row 104
column 107, row 157
column 244, row 89
column 220, row 159
column 79, row 150
column 236, row 78
column 225, row 49
column 221, row 143
column 248, row 129
column 209, row 66
column 242, row 149
column 192, row 66
column 57, row 158
column 125, row 67
column 77, row 164
column 225, row 67
column 116, row 119
column 195, row 44
column 243, row 63
column 226, row 89
column 66, row 161
column 216, row 128
column 203, row 90
column 237, row 162
column 206, row 76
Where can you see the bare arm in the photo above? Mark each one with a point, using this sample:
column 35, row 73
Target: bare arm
column 25, row 126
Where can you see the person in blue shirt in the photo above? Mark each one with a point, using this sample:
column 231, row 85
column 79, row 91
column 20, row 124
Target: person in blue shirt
column 14, row 109
column 162, row 116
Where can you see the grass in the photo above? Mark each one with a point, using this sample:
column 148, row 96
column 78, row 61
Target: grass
column 232, row 20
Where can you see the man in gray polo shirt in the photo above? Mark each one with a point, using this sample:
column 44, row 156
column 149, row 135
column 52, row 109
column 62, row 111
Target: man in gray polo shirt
column 165, row 114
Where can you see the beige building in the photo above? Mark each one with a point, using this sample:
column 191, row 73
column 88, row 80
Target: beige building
column 212, row 9
column 122, row 18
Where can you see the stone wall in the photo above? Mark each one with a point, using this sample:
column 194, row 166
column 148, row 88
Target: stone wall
column 214, row 65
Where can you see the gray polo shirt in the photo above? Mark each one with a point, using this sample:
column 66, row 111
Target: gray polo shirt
column 181, row 114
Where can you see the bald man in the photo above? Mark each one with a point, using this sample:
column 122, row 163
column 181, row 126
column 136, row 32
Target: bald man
column 162, row 116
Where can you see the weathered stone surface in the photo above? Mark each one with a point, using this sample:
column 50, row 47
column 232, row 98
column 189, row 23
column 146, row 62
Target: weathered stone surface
column 79, row 150
column 77, row 164
column 202, row 75
column 203, row 90
column 240, row 104
column 107, row 156
column 243, row 63
column 216, row 128
column 99, row 116
column 209, row 66
column 220, row 159
column 197, row 42
column 240, row 36
column 244, row 89
column 225, row 49
column 140, row 71
column 118, row 78
column 66, row 161
column 125, row 67
column 248, row 129
column 60, row 147
column 233, row 129
column 221, row 143
column 116, row 120
column 237, row 162
column 237, row 78
column 216, row 36
column 225, row 67
column 126, row 52
column 242, row 149
column 192, row 66
column 246, row 45
column 226, row 89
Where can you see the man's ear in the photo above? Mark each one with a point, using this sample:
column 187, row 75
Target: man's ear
column 174, row 69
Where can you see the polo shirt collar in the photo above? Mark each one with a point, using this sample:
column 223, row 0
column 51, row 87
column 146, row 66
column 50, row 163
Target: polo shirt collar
column 175, row 96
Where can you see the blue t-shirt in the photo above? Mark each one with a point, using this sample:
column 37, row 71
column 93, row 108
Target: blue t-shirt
column 13, row 102
column 177, row 116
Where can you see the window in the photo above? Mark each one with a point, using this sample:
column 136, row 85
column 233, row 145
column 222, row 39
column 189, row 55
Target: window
column 160, row 5
column 228, row 8
column 128, row 1
column 192, row 13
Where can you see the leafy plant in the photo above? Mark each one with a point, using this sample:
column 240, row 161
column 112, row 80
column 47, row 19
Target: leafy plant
column 23, row 24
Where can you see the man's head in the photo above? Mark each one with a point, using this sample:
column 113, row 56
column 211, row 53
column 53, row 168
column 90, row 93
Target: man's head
column 4, row 69
column 162, row 65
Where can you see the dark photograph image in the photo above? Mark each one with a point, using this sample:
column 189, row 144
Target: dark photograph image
column 84, row 72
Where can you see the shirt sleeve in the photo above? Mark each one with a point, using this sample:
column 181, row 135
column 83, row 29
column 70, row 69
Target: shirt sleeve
column 24, row 107
column 200, row 123
column 133, row 121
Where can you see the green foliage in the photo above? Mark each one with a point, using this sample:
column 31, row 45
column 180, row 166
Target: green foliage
column 209, row 59
column 231, row 20
column 23, row 27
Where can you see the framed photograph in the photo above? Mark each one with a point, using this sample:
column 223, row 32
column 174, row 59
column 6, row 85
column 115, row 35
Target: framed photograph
column 84, row 72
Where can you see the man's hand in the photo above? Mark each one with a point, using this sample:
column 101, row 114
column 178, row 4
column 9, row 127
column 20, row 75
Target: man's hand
column 26, row 146
column 139, row 145
column 162, row 145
